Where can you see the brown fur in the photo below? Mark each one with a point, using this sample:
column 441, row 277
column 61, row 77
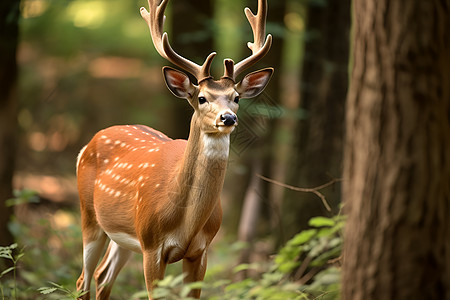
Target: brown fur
column 156, row 195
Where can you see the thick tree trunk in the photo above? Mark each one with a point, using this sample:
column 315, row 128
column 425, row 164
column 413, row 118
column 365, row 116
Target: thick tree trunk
column 397, row 155
column 9, row 16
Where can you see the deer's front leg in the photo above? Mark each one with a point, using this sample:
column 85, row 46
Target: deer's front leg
column 195, row 268
column 154, row 268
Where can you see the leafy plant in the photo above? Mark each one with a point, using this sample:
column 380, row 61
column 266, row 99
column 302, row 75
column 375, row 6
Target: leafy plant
column 62, row 292
column 309, row 256
column 303, row 269
column 8, row 253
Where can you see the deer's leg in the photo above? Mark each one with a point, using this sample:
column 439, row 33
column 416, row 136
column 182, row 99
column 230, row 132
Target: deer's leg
column 106, row 273
column 92, row 250
column 154, row 268
column 195, row 268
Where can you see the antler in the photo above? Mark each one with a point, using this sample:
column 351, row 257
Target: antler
column 261, row 44
column 155, row 20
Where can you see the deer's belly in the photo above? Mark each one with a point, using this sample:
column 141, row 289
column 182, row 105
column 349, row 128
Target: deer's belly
column 126, row 241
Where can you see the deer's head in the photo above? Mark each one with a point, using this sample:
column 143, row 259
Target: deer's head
column 215, row 101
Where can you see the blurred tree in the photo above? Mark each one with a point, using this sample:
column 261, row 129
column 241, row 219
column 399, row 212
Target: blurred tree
column 9, row 33
column 192, row 35
column 258, row 157
column 397, row 154
column 319, row 135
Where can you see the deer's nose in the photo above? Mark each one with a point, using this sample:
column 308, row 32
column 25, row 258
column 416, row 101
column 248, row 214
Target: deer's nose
column 228, row 119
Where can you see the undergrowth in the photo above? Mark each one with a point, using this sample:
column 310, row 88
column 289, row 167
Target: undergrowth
column 47, row 259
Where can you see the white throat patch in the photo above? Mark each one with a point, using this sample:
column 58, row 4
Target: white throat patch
column 216, row 147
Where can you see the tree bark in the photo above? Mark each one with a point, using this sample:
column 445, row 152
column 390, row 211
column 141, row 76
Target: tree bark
column 9, row 32
column 397, row 153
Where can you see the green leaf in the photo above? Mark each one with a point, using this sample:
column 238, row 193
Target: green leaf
column 47, row 290
column 140, row 294
column 196, row 285
column 57, row 285
column 240, row 285
column 7, row 271
column 166, row 281
column 221, row 282
column 243, row 267
column 321, row 222
column 287, row 267
column 6, row 255
column 177, row 280
column 302, row 237
column 158, row 293
column 185, row 291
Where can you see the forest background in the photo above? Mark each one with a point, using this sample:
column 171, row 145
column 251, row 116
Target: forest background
column 84, row 65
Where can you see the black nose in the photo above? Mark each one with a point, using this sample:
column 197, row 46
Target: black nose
column 228, row 119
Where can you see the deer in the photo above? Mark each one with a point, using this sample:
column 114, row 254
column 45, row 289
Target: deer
column 147, row 193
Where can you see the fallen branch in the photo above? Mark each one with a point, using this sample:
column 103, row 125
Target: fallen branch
column 314, row 190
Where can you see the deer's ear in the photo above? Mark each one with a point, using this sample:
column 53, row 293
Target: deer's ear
column 178, row 83
column 254, row 83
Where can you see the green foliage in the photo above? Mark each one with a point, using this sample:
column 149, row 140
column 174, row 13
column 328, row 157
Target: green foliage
column 9, row 253
column 62, row 292
column 281, row 278
column 22, row 197
column 300, row 270
column 310, row 253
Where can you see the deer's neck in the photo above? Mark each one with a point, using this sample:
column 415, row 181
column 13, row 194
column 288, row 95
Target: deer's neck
column 199, row 180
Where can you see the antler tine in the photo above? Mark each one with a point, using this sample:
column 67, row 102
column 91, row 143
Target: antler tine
column 261, row 45
column 155, row 21
column 229, row 69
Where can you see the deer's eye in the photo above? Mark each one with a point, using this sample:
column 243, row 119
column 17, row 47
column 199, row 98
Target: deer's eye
column 236, row 99
column 202, row 100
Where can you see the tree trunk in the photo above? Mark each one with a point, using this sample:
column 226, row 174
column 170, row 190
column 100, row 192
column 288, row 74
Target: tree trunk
column 9, row 32
column 249, row 218
column 255, row 132
column 320, row 135
column 397, row 154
